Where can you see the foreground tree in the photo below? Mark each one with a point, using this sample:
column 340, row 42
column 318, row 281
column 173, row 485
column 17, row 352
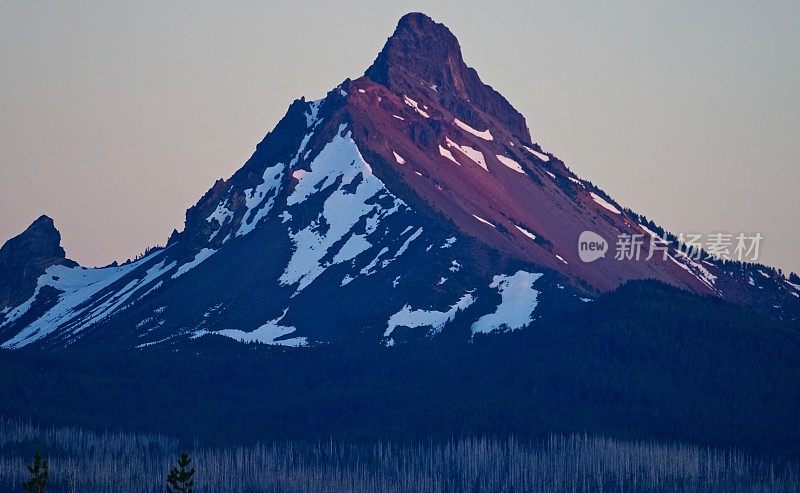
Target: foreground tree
column 40, row 473
column 179, row 479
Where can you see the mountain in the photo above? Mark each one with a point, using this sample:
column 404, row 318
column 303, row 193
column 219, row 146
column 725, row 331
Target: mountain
column 408, row 203
column 24, row 258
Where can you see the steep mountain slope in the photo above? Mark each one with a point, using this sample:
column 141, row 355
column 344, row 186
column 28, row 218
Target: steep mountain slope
column 26, row 257
column 408, row 202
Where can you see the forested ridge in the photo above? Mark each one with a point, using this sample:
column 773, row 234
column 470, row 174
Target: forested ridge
column 644, row 362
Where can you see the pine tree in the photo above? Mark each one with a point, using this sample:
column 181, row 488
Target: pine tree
column 40, row 473
column 180, row 479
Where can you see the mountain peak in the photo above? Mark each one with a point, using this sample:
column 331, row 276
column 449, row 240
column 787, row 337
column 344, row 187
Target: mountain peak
column 422, row 48
column 418, row 20
column 26, row 256
column 424, row 55
column 42, row 235
column 414, row 187
column 43, row 223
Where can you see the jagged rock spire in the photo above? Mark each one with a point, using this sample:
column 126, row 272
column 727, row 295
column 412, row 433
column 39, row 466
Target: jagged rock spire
column 25, row 257
column 423, row 54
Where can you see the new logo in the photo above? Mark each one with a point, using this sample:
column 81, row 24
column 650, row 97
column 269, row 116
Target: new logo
column 591, row 246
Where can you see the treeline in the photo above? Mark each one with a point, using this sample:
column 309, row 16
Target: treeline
column 80, row 460
column 631, row 366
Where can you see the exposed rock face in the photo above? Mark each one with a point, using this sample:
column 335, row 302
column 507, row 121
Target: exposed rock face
column 423, row 56
column 407, row 203
column 25, row 257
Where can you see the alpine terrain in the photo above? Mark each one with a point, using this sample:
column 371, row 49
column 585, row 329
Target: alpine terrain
column 399, row 261
column 408, row 203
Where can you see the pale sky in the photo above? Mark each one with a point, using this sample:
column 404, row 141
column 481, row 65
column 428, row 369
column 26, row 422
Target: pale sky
column 116, row 117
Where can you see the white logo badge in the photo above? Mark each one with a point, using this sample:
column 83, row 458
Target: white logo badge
column 591, row 246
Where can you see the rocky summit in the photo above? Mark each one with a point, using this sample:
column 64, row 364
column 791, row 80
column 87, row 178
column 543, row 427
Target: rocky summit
column 406, row 204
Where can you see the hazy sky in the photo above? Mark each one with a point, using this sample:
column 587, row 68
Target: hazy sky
column 117, row 116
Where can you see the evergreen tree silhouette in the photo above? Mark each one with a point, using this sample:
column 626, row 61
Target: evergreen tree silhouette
column 179, row 479
column 40, row 473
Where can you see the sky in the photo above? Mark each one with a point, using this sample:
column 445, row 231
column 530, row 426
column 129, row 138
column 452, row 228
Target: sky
column 115, row 117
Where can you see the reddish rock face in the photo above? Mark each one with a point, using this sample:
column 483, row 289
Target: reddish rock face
column 401, row 197
column 441, row 138
column 424, row 57
column 420, row 101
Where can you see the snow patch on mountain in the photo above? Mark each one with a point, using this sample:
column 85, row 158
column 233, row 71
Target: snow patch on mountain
column 518, row 301
column 449, row 155
column 353, row 247
column 649, row 231
column 369, row 268
column 576, row 181
column 201, row 257
column 473, row 154
column 269, row 333
column 485, row 134
column 259, row 200
column 415, row 105
column 436, row 320
column 77, row 286
column 311, row 116
column 604, row 203
column 221, row 214
column 510, row 163
column 408, row 241
column 543, row 157
column 338, row 164
column 484, row 221
column 695, row 269
column 117, row 301
column 525, row 232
